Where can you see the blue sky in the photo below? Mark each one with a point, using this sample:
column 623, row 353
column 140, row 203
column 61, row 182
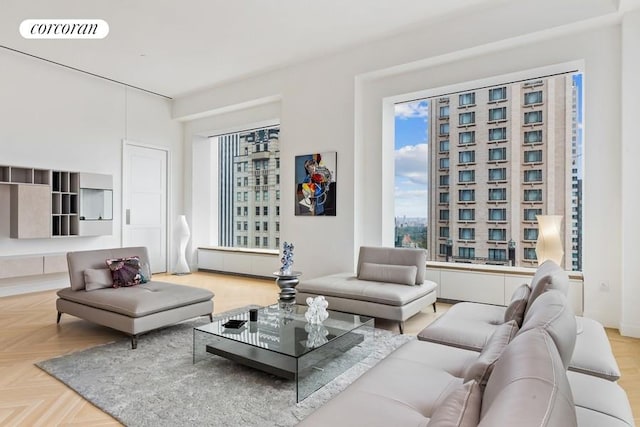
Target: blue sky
column 411, row 138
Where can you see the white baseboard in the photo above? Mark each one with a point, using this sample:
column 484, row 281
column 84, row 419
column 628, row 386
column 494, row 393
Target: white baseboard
column 630, row 330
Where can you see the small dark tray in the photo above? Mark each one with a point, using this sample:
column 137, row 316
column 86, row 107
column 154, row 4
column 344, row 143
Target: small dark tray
column 234, row 323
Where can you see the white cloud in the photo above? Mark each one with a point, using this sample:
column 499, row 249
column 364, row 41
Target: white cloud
column 411, row 163
column 412, row 109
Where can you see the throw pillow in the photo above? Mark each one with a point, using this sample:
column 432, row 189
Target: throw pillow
column 519, row 300
column 461, row 408
column 402, row 274
column 145, row 272
column 125, row 271
column 480, row 369
column 98, row 278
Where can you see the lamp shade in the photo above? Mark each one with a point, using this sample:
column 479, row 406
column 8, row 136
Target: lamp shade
column 549, row 244
column 182, row 237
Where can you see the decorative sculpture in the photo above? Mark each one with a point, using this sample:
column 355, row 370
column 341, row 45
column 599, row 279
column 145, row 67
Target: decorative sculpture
column 317, row 311
column 317, row 335
column 182, row 234
column 287, row 259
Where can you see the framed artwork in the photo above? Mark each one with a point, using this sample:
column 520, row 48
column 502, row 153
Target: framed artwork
column 316, row 184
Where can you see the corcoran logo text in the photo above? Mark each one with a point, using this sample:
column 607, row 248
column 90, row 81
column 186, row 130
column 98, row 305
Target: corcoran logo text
column 64, row 29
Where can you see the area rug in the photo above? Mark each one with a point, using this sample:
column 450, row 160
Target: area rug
column 158, row 384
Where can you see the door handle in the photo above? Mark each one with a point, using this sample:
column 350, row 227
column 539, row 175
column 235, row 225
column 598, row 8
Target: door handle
column 128, row 217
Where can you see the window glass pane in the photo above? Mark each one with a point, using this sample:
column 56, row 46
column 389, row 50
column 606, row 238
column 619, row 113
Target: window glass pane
column 499, row 234
column 444, row 214
column 530, row 254
column 498, row 254
column 444, row 111
column 444, row 163
column 466, row 176
column 467, row 233
column 498, row 113
column 467, row 253
column 467, row 118
column 444, row 232
column 497, row 194
column 467, row 156
column 533, row 195
column 533, row 98
column 467, row 195
column 248, row 180
column 533, row 156
column 466, row 214
column 444, row 128
column 444, row 197
column 530, row 214
column 533, row 175
column 498, row 154
column 468, row 137
column 444, row 145
column 497, row 94
column 468, row 98
column 497, row 214
column 530, row 234
column 444, row 180
column 497, row 174
column 497, row 134
column 533, row 136
column 533, row 117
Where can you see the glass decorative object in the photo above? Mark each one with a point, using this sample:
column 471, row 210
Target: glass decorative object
column 317, row 311
column 287, row 259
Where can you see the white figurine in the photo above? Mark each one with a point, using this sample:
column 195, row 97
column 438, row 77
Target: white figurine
column 317, row 311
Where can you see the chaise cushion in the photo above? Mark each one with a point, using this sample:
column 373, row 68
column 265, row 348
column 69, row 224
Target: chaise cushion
column 519, row 299
column 97, row 278
column 402, row 274
column 461, row 408
column 592, row 354
column 139, row 301
column 480, row 369
column 345, row 285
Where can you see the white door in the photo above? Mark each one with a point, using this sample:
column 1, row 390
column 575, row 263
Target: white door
column 144, row 189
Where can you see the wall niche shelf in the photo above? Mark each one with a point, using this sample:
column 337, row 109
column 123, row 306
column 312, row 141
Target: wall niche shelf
column 46, row 203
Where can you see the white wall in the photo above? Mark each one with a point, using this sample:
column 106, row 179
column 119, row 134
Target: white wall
column 630, row 197
column 335, row 103
column 56, row 118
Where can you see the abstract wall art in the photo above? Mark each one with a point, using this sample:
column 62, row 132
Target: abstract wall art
column 316, row 184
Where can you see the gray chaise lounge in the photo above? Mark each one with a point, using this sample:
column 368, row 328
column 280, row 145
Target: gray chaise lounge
column 389, row 284
column 133, row 310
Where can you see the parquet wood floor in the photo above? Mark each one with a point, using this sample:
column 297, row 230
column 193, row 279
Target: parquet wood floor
column 28, row 334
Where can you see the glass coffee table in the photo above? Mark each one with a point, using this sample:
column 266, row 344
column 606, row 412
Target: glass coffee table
column 283, row 343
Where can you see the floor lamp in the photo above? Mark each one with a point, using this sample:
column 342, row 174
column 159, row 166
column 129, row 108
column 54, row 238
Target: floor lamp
column 549, row 244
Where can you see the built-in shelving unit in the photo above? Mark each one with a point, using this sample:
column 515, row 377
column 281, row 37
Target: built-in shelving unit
column 46, row 203
column 64, row 204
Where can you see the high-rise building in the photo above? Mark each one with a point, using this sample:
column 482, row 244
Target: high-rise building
column 498, row 156
column 249, row 189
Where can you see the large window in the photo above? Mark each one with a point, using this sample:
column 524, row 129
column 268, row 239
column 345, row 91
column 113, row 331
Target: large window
column 496, row 152
column 247, row 164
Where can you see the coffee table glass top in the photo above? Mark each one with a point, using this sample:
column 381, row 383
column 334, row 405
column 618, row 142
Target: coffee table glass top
column 283, row 343
column 286, row 332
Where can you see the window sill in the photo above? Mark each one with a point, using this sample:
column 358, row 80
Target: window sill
column 484, row 268
column 242, row 250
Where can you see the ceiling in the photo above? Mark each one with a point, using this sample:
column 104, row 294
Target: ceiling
column 176, row 47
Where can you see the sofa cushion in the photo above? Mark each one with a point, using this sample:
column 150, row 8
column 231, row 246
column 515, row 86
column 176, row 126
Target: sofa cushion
column 592, row 354
column 517, row 306
column 461, row 408
column 395, row 256
column 125, row 271
column 548, row 276
column 97, row 278
column 551, row 311
column 450, row 359
column 345, row 285
column 480, row 369
column 465, row 325
column 528, row 385
column 402, row 274
column 141, row 300
column 601, row 396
